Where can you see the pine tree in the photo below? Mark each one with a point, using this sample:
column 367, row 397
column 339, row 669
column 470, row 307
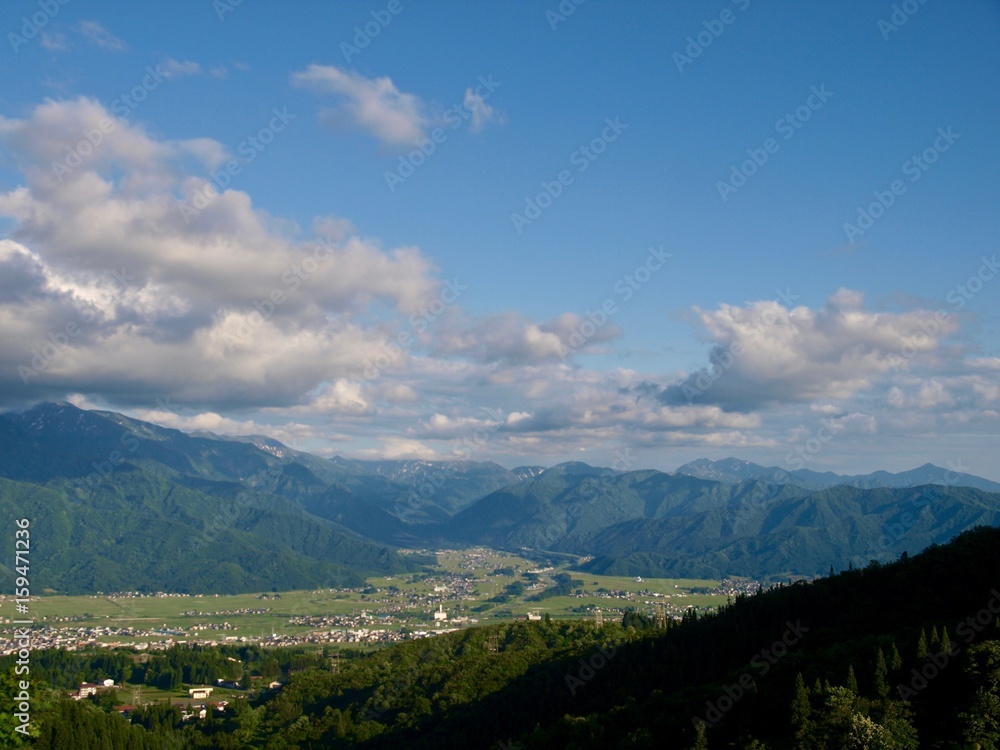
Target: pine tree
column 895, row 661
column 800, row 711
column 881, row 675
column 852, row 680
column 922, row 645
column 946, row 642
column 935, row 641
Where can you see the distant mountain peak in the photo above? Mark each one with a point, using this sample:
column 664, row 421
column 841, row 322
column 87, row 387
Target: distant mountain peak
column 734, row 470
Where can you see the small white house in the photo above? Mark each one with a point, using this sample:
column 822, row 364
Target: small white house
column 109, row 683
column 440, row 614
column 200, row 693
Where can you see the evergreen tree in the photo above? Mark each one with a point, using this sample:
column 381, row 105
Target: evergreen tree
column 922, row 645
column 881, row 676
column 895, row 660
column 801, row 711
column 935, row 642
column 852, row 680
column 946, row 642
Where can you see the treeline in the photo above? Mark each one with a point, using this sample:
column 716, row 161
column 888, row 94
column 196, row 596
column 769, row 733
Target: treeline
column 167, row 669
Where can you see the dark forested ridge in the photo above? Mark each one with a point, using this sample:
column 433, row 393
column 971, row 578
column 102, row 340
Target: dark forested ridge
column 904, row 655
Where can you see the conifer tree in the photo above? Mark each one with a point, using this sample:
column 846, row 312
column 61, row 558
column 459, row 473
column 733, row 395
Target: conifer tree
column 852, row 680
column 895, row 661
column 881, row 675
column 800, row 711
column 946, row 642
column 935, row 641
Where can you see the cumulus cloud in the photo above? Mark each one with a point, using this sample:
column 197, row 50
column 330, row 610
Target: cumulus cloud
column 374, row 105
column 512, row 339
column 219, row 310
column 766, row 353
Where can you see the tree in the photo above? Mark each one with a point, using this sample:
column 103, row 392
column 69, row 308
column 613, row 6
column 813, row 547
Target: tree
column 922, row 646
column 881, row 675
column 801, row 711
column 935, row 641
column 895, row 660
column 852, row 680
column 700, row 740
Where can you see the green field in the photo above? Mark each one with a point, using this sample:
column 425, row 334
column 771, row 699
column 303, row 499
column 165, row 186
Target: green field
column 404, row 602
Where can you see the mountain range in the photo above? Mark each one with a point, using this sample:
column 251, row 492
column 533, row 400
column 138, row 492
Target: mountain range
column 120, row 504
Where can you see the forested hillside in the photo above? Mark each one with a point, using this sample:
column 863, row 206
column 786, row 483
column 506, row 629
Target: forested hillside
column 904, row 655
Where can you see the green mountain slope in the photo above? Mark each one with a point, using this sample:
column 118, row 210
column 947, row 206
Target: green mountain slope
column 117, row 504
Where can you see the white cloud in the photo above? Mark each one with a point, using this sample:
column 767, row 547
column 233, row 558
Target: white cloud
column 188, row 321
column 513, row 339
column 767, row 353
column 482, row 113
column 173, row 68
column 289, row 433
column 399, row 448
column 97, row 34
column 54, row 41
column 374, row 105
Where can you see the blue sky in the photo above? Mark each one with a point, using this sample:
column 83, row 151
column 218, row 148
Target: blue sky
column 861, row 335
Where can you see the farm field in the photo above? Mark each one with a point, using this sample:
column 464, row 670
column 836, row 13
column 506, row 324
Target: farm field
column 470, row 586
